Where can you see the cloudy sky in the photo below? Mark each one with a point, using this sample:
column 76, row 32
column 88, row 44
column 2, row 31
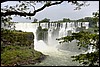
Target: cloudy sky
column 58, row 12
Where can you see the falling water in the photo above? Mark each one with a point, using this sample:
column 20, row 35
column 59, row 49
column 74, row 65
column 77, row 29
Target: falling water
column 58, row 54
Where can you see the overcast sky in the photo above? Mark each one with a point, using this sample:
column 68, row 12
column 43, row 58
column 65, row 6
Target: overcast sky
column 58, row 12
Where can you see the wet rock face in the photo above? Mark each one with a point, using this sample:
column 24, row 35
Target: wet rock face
column 42, row 34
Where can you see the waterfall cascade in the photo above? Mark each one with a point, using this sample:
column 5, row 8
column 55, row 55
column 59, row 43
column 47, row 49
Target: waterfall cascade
column 56, row 51
column 55, row 30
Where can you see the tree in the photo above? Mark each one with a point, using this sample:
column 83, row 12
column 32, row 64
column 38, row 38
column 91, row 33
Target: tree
column 92, row 20
column 85, row 39
column 35, row 20
column 45, row 20
column 66, row 20
column 23, row 6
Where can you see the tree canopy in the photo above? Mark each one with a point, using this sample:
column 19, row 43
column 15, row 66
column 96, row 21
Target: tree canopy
column 20, row 9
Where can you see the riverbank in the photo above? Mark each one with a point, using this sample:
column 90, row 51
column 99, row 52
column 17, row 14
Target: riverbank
column 19, row 56
column 17, row 49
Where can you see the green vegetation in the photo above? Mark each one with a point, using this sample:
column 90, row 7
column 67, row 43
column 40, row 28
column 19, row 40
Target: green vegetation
column 18, row 55
column 23, row 38
column 85, row 19
column 45, row 29
column 17, row 48
column 45, row 20
column 35, row 20
column 85, row 39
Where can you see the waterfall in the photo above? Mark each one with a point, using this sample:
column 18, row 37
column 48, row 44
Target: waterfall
column 59, row 54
